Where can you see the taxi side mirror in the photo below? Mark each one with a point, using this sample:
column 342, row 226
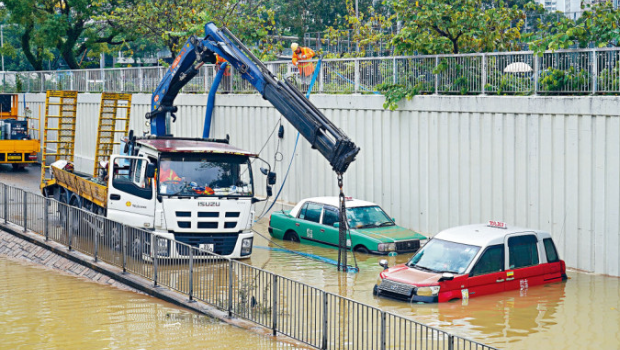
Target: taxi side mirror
column 383, row 263
column 394, row 220
column 336, row 224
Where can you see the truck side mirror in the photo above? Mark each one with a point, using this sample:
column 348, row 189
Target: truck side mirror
column 271, row 178
column 150, row 170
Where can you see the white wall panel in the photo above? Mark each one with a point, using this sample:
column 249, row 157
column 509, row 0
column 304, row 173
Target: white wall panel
column 438, row 161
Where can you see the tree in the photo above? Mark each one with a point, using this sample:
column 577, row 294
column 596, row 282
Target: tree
column 64, row 25
column 173, row 21
column 598, row 25
column 455, row 26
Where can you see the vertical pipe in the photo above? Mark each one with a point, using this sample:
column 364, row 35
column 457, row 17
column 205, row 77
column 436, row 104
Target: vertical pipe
column 450, row 342
column 321, row 82
column 191, row 273
column 46, row 218
column 274, row 304
column 25, row 210
column 230, row 287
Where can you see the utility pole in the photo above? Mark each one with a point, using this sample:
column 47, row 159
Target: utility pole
column 2, row 43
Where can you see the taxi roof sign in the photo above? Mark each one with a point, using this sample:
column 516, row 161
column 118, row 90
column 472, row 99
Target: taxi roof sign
column 497, row 224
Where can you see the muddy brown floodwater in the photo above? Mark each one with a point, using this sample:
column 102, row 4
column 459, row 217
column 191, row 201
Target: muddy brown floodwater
column 581, row 313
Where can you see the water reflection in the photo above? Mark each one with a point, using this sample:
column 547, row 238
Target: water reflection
column 42, row 309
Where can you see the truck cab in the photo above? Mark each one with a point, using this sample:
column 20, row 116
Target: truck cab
column 194, row 191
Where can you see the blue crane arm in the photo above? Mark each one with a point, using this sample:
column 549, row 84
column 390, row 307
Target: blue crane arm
column 322, row 134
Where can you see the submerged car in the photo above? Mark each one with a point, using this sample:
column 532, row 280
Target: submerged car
column 315, row 220
column 470, row 261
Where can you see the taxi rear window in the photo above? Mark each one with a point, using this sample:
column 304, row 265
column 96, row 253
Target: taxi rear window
column 552, row 254
column 522, row 251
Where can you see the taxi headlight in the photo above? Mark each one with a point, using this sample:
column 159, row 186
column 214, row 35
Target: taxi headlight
column 430, row 291
column 386, row 247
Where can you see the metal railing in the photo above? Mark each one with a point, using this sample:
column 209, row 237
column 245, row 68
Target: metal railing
column 310, row 315
column 563, row 72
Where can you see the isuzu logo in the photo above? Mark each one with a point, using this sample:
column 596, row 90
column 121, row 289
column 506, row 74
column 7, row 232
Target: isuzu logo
column 208, row 204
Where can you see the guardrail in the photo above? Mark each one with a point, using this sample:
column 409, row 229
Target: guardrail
column 310, row 315
column 563, row 72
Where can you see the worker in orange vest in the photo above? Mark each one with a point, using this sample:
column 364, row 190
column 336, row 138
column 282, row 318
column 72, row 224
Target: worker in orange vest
column 306, row 69
column 167, row 174
column 219, row 60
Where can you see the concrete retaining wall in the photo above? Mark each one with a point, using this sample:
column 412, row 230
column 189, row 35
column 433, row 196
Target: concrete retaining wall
column 551, row 163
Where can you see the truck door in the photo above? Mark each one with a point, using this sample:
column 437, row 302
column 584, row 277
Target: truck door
column 131, row 198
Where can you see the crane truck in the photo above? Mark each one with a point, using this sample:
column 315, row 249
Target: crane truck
column 197, row 191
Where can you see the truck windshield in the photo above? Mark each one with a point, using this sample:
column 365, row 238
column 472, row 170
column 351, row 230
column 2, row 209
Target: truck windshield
column 205, row 175
column 444, row 256
column 365, row 217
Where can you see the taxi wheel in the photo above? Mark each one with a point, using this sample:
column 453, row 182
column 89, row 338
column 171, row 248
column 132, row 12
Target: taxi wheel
column 375, row 290
column 362, row 249
column 291, row 236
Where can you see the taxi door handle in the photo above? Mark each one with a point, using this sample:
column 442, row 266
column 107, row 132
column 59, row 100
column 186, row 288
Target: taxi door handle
column 322, row 230
column 510, row 278
column 499, row 280
column 297, row 224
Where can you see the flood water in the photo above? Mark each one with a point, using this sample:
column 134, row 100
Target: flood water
column 42, row 309
column 581, row 313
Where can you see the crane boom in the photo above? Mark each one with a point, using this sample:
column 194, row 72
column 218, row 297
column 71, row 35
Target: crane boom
column 322, row 134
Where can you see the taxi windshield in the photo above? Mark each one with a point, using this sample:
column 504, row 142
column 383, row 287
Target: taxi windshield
column 444, row 256
column 205, row 175
column 366, row 217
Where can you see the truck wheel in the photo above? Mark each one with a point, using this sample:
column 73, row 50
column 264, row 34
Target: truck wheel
column 62, row 209
column 291, row 236
column 18, row 166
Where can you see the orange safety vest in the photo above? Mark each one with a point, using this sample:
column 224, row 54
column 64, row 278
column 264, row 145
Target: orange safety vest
column 169, row 175
column 305, row 68
column 218, row 62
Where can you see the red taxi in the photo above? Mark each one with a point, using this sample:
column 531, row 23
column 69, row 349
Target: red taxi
column 470, row 261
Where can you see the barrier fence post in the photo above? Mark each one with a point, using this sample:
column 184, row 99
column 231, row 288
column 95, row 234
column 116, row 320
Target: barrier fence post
column 324, row 341
column 436, row 76
column 536, row 73
column 383, row 330
column 230, row 287
column 357, row 75
column 484, row 73
column 450, row 342
column 25, row 210
column 6, row 203
column 191, row 273
column 70, row 215
column 154, row 252
column 46, row 219
column 274, row 305
column 594, row 72
column 98, row 232
column 124, row 247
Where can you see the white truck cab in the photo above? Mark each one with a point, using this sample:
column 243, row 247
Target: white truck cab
column 194, row 191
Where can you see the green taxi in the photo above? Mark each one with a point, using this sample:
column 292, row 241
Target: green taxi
column 315, row 221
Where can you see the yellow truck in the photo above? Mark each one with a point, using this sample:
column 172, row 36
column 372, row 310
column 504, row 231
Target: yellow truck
column 18, row 143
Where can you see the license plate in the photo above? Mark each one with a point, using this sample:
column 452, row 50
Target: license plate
column 207, row 247
column 14, row 156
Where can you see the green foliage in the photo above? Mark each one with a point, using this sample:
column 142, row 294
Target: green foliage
column 557, row 80
column 598, row 25
column 455, row 26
